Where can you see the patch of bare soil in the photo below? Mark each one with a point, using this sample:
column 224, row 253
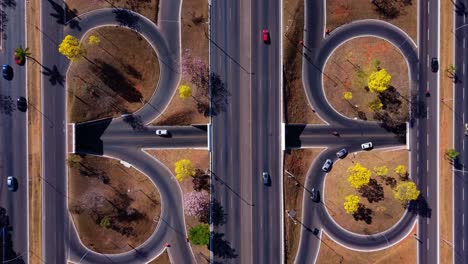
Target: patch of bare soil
column 162, row 259
column 385, row 210
column 298, row 109
column 195, row 71
column 113, row 207
column 297, row 162
column 348, row 69
column 401, row 13
column 148, row 8
column 114, row 75
column 403, row 252
column 200, row 161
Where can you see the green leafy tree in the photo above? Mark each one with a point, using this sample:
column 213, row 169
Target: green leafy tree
column 105, row 222
column 185, row 91
column 351, row 203
column 381, row 170
column 406, row 191
column 200, row 234
column 358, row 175
column 71, row 48
column 451, row 154
column 375, row 105
column 21, row 54
column 379, row 81
column 184, row 169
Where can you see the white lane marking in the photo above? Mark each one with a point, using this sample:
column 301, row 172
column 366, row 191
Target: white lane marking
column 428, row 7
column 427, row 34
column 427, row 113
column 427, row 191
column 427, row 139
column 463, row 219
column 463, row 144
column 428, row 244
column 427, row 165
column 417, row 169
column 427, row 62
column 427, row 222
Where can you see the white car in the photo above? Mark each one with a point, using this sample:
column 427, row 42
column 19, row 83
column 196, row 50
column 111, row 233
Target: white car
column 466, row 129
column 162, row 132
column 327, row 165
column 366, row 146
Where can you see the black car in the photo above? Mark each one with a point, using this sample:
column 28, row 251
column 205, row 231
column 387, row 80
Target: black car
column 315, row 231
column 22, row 104
column 7, row 72
column 315, row 195
column 434, row 65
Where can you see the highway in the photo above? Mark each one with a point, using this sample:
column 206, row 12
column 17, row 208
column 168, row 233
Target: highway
column 13, row 134
column 460, row 187
column 246, row 137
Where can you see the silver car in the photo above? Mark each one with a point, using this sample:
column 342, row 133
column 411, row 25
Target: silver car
column 327, row 165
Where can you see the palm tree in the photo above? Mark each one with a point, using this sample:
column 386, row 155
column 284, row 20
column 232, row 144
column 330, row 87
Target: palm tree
column 21, row 55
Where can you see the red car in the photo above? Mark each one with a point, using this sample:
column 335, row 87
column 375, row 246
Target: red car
column 265, row 35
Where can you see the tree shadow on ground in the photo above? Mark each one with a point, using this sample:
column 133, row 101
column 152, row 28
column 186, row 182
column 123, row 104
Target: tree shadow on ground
column 125, row 18
column 115, row 80
column 420, row 207
column 7, row 253
column 363, row 214
column 373, row 191
column 6, row 105
column 135, row 122
column 9, row 3
column 55, row 77
column 219, row 95
column 220, row 247
column 63, row 14
column 218, row 216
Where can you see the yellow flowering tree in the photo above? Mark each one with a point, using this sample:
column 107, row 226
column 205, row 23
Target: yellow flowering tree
column 71, row 48
column 381, row 170
column 185, row 91
column 400, row 170
column 347, row 96
column 379, row 81
column 407, row 191
column 351, row 203
column 93, row 40
column 358, row 175
column 184, row 169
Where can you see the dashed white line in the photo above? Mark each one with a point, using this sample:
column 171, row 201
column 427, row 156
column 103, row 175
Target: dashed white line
column 427, row 113
column 417, row 169
column 428, row 7
column 463, row 144
column 427, row 62
column 427, row 34
column 428, row 244
column 427, row 139
column 427, row 165
column 427, row 222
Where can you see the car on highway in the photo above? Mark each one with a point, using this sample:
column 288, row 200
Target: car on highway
column 327, row 165
column 22, row 104
column 265, row 35
column 7, row 72
column 315, row 195
column 466, row 129
column 342, row 153
column 315, row 231
column 266, row 178
column 162, row 132
column 367, row 146
column 12, row 185
column 434, row 64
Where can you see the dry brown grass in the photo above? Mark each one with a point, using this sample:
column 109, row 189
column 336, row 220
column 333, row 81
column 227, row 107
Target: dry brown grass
column 385, row 213
column 193, row 17
column 114, row 75
column 446, row 133
column 340, row 12
column 34, row 133
column 350, row 65
column 298, row 109
column 127, row 188
column 148, row 8
column 200, row 160
column 404, row 252
column 162, row 259
column 296, row 162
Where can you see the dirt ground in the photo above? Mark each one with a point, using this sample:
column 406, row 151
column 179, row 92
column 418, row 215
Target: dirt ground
column 200, row 160
column 148, row 8
column 340, row 12
column 298, row 109
column 297, row 162
column 162, row 259
column 114, row 75
column 194, row 16
column 348, row 68
column 446, row 132
column 102, row 187
column 386, row 212
column 34, row 133
column 404, row 252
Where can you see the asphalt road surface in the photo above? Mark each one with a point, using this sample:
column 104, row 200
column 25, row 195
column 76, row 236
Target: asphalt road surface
column 13, row 134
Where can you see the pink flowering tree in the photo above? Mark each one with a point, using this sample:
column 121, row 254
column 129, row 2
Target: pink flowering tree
column 197, row 204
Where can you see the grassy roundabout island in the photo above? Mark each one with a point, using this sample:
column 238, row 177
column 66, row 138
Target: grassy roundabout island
column 379, row 209
column 367, row 78
column 113, row 77
column 112, row 207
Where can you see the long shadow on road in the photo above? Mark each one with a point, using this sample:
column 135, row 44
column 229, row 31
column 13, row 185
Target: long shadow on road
column 88, row 136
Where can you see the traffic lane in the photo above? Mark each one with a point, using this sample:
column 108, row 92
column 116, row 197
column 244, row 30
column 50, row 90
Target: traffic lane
column 378, row 141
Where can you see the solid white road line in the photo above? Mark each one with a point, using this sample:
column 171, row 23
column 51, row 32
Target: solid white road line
column 427, row 190
column 463, row 144
column 463, row 194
